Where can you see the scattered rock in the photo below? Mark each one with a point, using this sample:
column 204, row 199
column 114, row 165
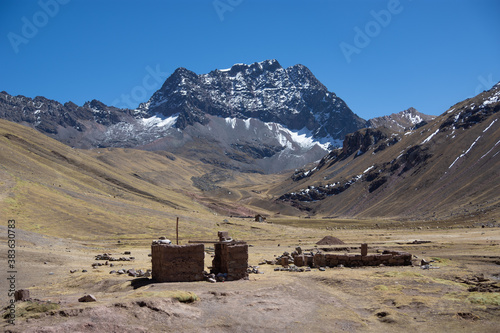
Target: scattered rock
column 479, row 283
column 254, row 270
column 467, row 316
column 22, row 295
column 108, row 257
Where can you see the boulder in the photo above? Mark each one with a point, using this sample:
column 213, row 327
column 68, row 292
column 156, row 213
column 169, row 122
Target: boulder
column 22, row 295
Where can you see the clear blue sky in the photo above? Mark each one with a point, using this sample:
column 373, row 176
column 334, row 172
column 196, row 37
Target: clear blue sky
column 428, row 54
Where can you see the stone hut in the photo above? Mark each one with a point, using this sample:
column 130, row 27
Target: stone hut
column 260, row 218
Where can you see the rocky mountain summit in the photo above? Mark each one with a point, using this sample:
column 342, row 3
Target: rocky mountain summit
column 402, row 121
column 292, row 97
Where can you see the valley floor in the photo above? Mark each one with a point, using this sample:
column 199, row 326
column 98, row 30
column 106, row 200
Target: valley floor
column 370, row 299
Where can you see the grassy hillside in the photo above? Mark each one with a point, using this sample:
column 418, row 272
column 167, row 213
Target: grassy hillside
column 56, row 190
column 446, row 170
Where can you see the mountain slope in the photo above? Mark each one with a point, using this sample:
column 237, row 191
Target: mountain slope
column 447, row 169
column 53, row 189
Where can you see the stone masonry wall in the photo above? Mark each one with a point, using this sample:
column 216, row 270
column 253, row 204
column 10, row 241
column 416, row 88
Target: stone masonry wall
column 232, row 259
column 178, row 263
column 387, row 258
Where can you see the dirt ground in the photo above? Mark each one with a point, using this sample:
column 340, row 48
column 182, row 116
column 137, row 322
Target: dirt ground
column 369, row 299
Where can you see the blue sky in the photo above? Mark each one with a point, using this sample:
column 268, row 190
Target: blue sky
column 381, row 57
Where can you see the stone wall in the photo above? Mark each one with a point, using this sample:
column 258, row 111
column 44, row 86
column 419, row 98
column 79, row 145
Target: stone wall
column 231, row 259
column 178, row 263
column 387, row 258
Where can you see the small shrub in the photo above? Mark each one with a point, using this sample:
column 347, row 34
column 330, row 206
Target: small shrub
column 186, row 297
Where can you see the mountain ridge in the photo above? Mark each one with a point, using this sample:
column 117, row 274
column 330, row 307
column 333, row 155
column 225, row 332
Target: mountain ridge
column 268, row 118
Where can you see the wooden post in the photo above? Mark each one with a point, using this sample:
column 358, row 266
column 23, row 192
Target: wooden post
column 177, row 230
column 364, row 249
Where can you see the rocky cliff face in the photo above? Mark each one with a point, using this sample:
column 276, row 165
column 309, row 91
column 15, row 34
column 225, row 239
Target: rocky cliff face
column 48, row 116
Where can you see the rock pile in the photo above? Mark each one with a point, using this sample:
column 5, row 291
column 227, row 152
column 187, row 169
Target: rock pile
column 292, row 268
column 132, row 272
column 108, row 257
column 479, row 283
column 254, row 270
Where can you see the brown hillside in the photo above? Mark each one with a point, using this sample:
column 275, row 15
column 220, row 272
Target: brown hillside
column 53, row 189
column 447, row 169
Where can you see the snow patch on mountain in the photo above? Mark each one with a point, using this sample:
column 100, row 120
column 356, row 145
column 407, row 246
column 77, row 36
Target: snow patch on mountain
column 159, row 121
column 465, row 153
column 487, row 128
column 430, row 137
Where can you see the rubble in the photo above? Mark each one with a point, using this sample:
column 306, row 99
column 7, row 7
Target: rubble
column 479, row 283
column 108, row 257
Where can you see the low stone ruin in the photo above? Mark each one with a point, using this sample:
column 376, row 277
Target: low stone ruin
column 386, row 258
column 320, row 259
